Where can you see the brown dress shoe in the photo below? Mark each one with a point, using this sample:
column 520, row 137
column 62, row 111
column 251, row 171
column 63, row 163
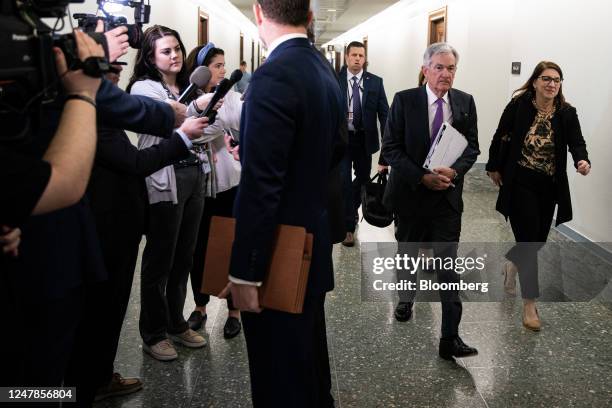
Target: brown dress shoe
column 118, row 386
column 349, row 241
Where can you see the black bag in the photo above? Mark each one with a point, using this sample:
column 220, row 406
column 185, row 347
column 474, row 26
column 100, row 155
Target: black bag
column 372, row 206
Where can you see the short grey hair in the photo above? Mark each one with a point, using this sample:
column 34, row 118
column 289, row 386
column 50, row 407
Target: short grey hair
column 439, row 48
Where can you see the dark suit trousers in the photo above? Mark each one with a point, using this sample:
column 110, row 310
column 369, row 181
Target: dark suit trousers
column 532, row 207
column 106, row 304
column 288, row 358
column 39, row 359
column 360, row 161
column 222, row 205
column 441, row 224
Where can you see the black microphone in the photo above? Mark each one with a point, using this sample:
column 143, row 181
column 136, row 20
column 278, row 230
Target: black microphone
column 199, row 78
column 222, row 89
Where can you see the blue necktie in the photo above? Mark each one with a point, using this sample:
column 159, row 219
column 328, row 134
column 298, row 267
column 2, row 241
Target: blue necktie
column 438, row 119
column 356, row 104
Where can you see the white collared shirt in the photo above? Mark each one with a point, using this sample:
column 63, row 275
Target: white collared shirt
column 349, row 94
column 432, row 107
column 282, row 39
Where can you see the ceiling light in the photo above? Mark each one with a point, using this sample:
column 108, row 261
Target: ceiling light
column 331, row 10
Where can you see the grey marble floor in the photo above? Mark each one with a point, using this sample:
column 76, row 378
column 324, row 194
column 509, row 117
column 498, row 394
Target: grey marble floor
column 378, row 362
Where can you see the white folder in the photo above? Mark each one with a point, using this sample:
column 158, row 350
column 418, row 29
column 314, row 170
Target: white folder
column 446, row 148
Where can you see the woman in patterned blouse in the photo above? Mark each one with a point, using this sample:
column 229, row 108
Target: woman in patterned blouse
column 527, row 161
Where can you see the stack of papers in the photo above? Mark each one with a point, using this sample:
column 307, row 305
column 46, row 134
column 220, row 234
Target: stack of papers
column 446, row 148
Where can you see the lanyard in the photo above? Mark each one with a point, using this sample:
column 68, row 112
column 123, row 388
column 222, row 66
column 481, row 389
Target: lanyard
column 349, row 91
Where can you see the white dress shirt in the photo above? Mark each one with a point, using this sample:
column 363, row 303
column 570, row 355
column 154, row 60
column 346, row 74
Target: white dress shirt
column 433, row 107
column 349, row 90
column 282, row 39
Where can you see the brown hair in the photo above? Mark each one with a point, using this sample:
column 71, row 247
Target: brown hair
column 286, row 12
column 354, row 44
column 527, row 88
column 144, row 68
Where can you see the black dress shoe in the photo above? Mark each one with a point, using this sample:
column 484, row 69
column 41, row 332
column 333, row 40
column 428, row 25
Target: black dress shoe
column 232, row 327
column 455, row 347
column 403, row 311
column 196, row 320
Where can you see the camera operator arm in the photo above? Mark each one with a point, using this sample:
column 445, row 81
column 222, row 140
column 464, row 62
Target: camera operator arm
column 72, row 149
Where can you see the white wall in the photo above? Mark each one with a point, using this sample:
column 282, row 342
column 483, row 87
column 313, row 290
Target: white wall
column 226, row 23
column 489, row 35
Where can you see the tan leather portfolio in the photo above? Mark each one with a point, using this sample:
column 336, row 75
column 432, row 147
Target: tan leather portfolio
column 284, row 285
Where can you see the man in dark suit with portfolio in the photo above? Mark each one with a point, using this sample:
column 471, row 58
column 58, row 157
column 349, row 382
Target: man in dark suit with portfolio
column 430, row 203
column 365, row 105
column 290, row 121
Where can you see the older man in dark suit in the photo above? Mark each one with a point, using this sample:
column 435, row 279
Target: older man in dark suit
column 290, row 122
column 365, row 104
column 430, row 203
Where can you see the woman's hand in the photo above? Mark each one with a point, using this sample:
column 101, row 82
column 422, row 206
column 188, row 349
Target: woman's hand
column 584, row 167
column 495, row 177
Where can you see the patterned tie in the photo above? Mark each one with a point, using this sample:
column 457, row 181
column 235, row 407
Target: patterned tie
column 356, row 104
column 438, row 119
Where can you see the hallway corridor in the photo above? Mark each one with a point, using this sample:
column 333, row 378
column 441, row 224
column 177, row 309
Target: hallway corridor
column 378, row 362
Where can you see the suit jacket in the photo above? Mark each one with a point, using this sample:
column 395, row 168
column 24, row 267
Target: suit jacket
column 290, row 121
column 515, row 122
column 374, row 106
column 406, row 144
column 60, row 250
column 117, row 179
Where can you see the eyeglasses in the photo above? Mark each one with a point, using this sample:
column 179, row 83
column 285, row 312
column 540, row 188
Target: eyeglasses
column 450, row 68
column 548, row 79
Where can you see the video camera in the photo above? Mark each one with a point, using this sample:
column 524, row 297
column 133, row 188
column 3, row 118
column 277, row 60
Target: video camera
column 142, row 11
column 28, row 75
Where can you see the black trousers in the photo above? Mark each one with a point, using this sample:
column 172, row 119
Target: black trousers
column 360, row 161
column 106, row 304
column 441, row 225
column 222, row 205
column 168, row 257
column 532, row 207
column 288, row 357
column 40, row 358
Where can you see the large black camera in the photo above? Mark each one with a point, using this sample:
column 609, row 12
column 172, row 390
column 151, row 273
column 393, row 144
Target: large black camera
column 142, row 11
column 28, row 77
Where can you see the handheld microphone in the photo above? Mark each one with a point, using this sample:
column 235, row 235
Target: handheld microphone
column 199, row 78
column 222, row 89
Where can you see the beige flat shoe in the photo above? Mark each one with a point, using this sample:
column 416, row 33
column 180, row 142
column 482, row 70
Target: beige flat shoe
column 532, row 324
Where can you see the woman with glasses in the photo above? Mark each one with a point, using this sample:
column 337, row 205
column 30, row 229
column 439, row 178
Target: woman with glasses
column 527, row 161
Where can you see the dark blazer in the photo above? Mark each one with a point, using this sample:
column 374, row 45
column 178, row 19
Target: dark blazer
column 517, row 118
column 118, row 109
column 60, row 250
column 290, row 122
column 117, row 179
column 406, row 144
column 374, row 106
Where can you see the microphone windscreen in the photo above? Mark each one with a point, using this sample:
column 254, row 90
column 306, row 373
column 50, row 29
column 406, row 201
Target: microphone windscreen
column 200, row 77
column 236, row 76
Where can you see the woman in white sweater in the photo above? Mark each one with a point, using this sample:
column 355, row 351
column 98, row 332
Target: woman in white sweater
column 227, row 177
column 176, row 199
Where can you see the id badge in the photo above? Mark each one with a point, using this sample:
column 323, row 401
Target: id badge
column 206, row 167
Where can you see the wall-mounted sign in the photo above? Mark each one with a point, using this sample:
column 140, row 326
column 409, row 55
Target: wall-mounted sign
column 516, row 68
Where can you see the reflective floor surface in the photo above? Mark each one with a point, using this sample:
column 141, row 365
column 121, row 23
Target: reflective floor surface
column 378, row 362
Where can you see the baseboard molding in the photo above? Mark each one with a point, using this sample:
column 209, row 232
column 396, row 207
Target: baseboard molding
column 575, row 236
